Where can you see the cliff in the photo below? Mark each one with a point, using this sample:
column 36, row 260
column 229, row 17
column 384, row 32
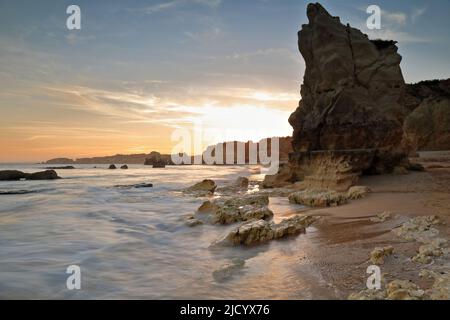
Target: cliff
column 350, row 118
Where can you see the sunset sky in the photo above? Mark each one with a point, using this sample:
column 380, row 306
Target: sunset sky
column 138, row 70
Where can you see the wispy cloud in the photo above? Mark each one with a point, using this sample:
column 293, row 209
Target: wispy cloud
column 417, row 13
column 168, row 5
column 395, row 26
column 399, row 18
column 73, row 38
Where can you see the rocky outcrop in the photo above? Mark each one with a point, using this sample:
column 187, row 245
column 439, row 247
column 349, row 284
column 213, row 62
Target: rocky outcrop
column 112, row 167
column 419, row 229
column 381, row 217
column 357, row 192
column 349, row 120
column 236, row 209
column 318, row 198
column 427, row 127
column 260, row 231
column 60, row 161
column 241, row 182
column 124, row 167
column 14, row 175
column 378, row 255
column 158, row 160
column 205, row 187
column 60, row 168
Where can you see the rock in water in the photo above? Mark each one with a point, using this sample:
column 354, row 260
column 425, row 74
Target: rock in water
column 112, row 166
column 124, row 167
column 241, row 182
column 205, row 187
column 350, row 118
column 260, row 231
column 11, row 175
column 235, row 209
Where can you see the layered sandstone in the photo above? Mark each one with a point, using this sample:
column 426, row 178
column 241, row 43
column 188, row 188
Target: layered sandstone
column 427, row 127
column 349, row 120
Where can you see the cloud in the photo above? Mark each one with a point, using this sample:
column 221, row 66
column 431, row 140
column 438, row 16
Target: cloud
column 400, row 36
column 163, row 6
column 73, row 38
column 417, row 13
column 160, row 7
column 393, row 26
column 399, row 18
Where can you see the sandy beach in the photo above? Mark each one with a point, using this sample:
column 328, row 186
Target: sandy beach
column 344, row 236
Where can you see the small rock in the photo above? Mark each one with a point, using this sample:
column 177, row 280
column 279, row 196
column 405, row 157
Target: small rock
column 357, row 192
column 419, row 229
column 241, row 182
column 192, row 222
column 208, row 207
column 368, row 294
column 427, row 252
column 227, row 271
column 381, row 217
column 441, row 286
column 378, row 255
column 399, row 170
column 205, row 187
column 124, row 167
column 112, row 166
column 317, row 198
column 415, row 167
column 403, row 290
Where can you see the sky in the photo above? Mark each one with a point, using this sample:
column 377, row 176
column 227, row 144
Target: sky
column 139, row 70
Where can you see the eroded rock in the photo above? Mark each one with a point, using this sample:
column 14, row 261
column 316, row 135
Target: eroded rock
column 436, row 248
column 357, row 192
column 317, row 198
column 239, row 208
column 378, row 255
column 403, row 290
column 350, row 118
column 440, row 289
column 241, row 182
column 206, row 187
column 368, row 294
column 419, row 229
column 14, row 175
column 227, row 271
column 381, row 217
column 260, row 231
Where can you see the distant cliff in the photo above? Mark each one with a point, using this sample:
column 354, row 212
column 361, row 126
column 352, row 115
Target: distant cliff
column 118, row 158
column 154, row 157
column 427, row 127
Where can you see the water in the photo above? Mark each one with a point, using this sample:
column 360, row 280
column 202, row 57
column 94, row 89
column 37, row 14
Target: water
column 133, row 242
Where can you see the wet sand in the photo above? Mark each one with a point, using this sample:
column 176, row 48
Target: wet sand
column 339, row 244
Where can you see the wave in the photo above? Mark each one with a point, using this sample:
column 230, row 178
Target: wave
column 19, row 192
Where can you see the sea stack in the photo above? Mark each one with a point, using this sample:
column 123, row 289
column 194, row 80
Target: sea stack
column 349, row 120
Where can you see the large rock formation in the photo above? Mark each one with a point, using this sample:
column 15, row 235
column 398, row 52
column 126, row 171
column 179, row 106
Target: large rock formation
column 350, row 118
column 427, row 127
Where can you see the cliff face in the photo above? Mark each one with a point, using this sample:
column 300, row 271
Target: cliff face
column 427, row 127
column 350, row 118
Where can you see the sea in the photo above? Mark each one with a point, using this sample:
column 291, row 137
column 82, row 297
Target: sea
column 133, row 243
